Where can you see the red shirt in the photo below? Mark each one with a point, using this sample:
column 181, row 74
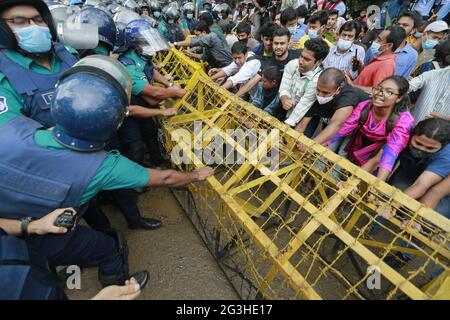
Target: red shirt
column 376, row 71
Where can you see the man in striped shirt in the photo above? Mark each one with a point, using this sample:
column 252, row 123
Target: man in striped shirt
column 342, row 54
column 434, row 99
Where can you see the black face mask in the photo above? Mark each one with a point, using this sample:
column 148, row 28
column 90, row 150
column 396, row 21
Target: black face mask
column 419, row 154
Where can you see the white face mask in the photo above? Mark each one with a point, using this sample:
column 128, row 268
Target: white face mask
column 344, row 44
column 324, row 100
column 301, row 21
column 189, row 16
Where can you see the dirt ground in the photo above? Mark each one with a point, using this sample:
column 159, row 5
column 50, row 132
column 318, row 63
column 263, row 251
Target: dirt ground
column 179, row 263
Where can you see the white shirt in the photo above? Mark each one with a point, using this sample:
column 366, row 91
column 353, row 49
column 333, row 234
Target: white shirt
column 435, row 95
column 299, row 87
column 343, row 61
column 242, row 74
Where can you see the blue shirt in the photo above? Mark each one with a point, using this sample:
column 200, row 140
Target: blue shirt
column 300, row 32
column 424, row 7
column 406, row 60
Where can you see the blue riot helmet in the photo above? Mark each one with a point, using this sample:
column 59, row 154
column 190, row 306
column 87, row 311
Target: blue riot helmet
column 87, row 121
column 106, row 27
column 7, row 38
column 146, row 40
column 75, row 2
column 122, row 18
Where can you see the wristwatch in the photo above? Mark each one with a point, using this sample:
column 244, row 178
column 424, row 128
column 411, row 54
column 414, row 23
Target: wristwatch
column 24, row 226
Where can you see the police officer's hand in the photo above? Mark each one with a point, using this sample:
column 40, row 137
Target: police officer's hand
column 130, row 291
column 169, row 112
column 203, row 173
column 46, row 225
column 180, row 92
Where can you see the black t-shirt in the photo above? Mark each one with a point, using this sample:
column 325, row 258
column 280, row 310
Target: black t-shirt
column 348, row 96
column 266, row 62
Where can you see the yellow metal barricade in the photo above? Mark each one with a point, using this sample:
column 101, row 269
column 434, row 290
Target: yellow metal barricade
column 307, row 228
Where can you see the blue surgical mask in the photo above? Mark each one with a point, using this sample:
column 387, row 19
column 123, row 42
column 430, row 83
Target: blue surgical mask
column 34, row 39
column 292, row 30
column 418, row 35
column 374, row 48
column 313, row 34
column 189, row 16
column 429, row 44
column 157, row 14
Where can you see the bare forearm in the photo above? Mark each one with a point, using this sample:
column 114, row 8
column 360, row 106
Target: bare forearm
column 248, row 86
column 160, row 78
column 328, row 133
column 158, row 93
column 383, row 174
column 171, row 178
column 12, row 227
column 436, row 193
column 228, row 85
column 143, row 112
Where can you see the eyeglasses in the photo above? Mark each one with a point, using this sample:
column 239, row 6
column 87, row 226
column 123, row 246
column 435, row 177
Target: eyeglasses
column 23, row 21
column 386, row 92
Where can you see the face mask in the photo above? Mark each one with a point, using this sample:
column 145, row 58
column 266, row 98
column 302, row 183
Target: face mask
column 429, row 44
column 292, row 30
column 157, row 14
column 344, row 44
column 418, row 35
column 313, row 34
column 171, row 21
column 374, row 48
column 324, row 100
column 189, row 16
column 418, row 154
column 34, row 39
column 301, row 21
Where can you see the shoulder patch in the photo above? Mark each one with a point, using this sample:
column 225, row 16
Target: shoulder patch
column 3, row 105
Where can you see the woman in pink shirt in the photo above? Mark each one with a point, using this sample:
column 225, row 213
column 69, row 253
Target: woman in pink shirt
column 379, row 129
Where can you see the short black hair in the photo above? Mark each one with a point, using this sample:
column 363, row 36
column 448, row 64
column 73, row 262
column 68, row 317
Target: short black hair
column 396, row 36
column 320, row 16
column 268, row 29
column 333, row 12
column 319, row 47
column 333, row 75
column 349, row 26
column 414, row 16
column 302, row 11
column 287, row 15
column 244, row 27
column 442, row 53
column 207, row 17
column 202, row 26
column 239, row 47
column 281, row 32
column 434, row 128
column 272, row 73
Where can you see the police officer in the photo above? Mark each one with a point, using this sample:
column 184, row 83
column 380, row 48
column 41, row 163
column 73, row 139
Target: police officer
column 169, row 26
column 155, row 11
column 32, row 60
column 141, row 42
column 125, row 199
column 66, row 167
column 188, row 21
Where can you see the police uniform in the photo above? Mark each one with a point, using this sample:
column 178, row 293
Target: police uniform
column 57, row 177
column 25, row 274
column 26, row 87
column 134, row 130
column 170, row 32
